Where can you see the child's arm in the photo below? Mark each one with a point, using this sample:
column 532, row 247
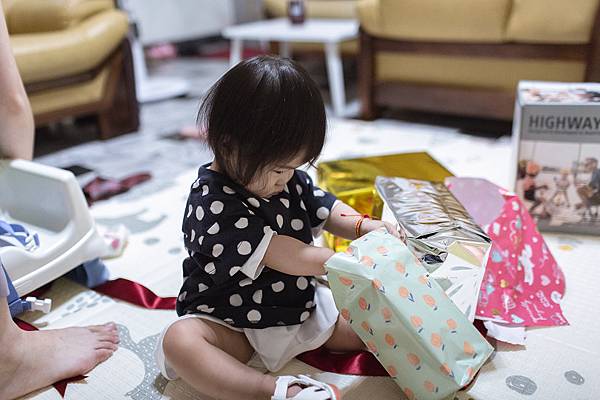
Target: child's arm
column 342, row 222
column 293, row 257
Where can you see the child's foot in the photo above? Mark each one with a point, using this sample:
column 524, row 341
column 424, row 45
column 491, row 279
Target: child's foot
column 33, row 360
column 302, row 387
column 293, row 390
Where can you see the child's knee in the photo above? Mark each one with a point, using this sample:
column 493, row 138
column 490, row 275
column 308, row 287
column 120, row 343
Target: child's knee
column 179, row 335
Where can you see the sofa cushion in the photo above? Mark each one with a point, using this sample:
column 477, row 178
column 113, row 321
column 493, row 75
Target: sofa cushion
column 551, row 21
column 436, row 20
column 44, row 56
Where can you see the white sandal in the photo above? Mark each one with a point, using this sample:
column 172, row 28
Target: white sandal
column 313, row 390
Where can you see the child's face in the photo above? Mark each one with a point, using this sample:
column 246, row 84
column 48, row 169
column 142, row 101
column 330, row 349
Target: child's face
column 273, row 179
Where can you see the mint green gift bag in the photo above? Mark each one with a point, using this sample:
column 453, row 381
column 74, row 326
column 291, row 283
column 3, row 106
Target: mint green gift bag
column 406, row 320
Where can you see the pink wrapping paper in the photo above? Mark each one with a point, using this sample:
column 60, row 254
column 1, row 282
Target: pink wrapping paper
column 523, row 285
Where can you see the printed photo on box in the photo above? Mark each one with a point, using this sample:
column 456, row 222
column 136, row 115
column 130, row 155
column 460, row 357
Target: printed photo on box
column 557, row 146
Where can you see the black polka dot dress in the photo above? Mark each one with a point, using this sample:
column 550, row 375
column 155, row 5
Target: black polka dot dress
column 227, row 230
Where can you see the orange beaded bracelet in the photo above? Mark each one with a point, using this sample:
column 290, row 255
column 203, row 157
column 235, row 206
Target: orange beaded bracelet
column 358, row 222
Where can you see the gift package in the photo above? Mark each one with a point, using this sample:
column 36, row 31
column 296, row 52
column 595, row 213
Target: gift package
column 405, row 318
column 472, row 251
column 440, row 232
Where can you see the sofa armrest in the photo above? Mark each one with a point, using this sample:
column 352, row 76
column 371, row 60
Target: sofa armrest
column 69, row 51
column 33, row 16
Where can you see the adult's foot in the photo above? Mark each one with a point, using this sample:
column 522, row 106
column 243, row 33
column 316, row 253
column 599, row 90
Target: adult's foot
column 34, row 360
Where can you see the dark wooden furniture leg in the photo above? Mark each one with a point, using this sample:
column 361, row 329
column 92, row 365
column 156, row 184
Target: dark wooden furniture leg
column 366, row 76
column 120, row 113
column 592, row 71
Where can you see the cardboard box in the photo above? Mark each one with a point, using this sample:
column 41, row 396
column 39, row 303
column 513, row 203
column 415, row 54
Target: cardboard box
column 556, row 133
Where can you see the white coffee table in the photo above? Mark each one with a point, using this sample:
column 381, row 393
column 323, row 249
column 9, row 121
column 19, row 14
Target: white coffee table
column 329, row 32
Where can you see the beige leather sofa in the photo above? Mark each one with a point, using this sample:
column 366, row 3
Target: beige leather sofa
column 466, row 56
column 75, row 60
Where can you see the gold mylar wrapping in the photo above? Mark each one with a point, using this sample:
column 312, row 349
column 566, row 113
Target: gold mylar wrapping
column 353, row 181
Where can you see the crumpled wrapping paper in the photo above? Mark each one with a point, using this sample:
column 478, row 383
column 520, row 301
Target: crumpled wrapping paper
column 440, row 232
column 523, row 284
column 353, row 181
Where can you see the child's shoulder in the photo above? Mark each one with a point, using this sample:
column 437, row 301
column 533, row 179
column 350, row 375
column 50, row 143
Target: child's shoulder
column 303, row 179
column 214, row 191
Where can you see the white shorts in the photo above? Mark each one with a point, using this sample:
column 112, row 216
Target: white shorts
column 275, row 346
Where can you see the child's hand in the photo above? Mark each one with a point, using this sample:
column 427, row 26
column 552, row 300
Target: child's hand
column 369, row 225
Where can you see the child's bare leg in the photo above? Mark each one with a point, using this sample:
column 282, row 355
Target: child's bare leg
column 344, row 338
column 212, row 358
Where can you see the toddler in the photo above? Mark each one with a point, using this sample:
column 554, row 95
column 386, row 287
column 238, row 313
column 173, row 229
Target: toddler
column 249, row 280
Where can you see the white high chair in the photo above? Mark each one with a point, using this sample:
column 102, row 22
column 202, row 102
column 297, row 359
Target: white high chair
column 49, row 202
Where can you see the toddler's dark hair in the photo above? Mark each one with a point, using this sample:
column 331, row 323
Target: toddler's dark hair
column 263, row 111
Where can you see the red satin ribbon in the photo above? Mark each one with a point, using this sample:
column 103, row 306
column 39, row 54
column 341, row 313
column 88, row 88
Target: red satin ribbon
column 136, row 293
column 356, row 363
column 60, row 386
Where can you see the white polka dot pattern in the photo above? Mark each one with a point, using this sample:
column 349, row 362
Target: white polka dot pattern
column 210, row 268
column 278, row 286
column 257, row 296
column 205, row 308
column 217, row 250
column 199, row 213
column 214, row 229
column 304, row 316
column 254, row 316
column 241, row 223
column 302, row 283
column 297, row 224
column 322, row 213
column 244, row 248
column 216, row 207
column 202, row 287
column 236, row 300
